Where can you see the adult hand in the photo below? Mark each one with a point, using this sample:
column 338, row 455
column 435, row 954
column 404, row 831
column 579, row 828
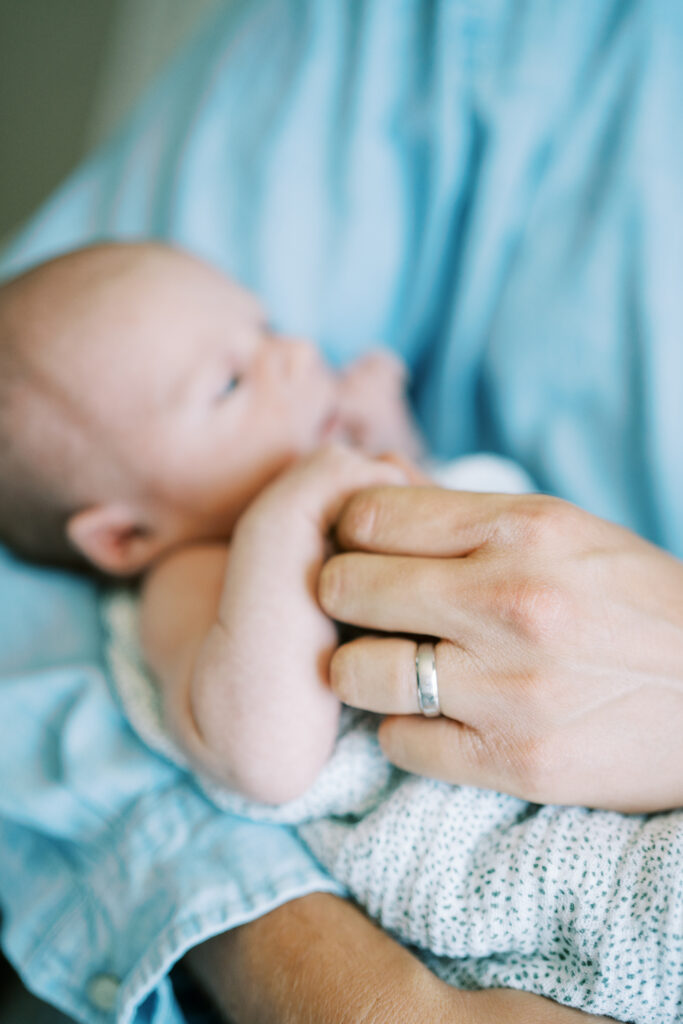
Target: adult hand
column 560, row 653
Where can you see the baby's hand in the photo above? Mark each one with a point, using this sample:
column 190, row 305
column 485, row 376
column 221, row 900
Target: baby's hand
column 373, row 408
column 261, row 696
column 313, row 490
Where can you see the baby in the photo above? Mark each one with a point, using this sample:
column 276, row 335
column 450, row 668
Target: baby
column 148, row 413
column 145, row 400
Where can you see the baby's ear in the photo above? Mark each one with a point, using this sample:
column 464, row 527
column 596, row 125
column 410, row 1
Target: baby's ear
column 112, row 537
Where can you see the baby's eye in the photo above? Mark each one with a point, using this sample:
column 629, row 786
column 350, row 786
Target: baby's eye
column 230, row 385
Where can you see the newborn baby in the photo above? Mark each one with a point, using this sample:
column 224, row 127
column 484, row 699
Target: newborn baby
column 145, row 399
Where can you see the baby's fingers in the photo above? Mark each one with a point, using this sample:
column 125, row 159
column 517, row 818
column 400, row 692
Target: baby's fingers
column 336, row 472
column 317, row 487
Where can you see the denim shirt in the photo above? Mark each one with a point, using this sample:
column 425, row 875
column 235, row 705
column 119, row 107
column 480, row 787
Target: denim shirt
column 493, row 189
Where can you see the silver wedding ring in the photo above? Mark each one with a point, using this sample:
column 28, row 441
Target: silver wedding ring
column 427, row 685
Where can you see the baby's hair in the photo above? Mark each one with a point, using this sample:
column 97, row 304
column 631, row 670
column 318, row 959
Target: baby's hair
column 33, row 509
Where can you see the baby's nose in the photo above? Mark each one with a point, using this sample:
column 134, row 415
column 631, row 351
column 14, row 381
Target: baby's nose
column 300, row 356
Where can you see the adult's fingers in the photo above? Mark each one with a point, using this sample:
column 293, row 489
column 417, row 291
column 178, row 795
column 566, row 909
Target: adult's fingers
column 440, row 748
column 378, row 674
column 428, row 521
column 429, row 596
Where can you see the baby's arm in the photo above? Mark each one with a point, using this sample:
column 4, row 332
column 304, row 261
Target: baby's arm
column 238, row 642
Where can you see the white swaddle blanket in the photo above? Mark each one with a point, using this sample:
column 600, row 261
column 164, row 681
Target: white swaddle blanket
column 585, row 907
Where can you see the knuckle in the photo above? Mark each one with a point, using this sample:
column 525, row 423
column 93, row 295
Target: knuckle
column 537, row 521
column 536, row 609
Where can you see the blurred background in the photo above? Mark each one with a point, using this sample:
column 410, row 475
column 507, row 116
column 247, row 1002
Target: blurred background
column 69, row 71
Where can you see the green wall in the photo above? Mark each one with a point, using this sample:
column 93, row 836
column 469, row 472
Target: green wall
column 69, row 70
column 50, row 55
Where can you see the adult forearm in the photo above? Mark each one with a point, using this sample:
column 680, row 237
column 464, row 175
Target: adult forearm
column 318, row 960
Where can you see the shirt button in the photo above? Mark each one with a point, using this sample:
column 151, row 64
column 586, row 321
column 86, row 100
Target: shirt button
column 102, row 990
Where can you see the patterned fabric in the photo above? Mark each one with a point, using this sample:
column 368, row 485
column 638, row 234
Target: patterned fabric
column 585, row 907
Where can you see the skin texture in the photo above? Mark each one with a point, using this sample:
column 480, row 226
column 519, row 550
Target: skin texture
column 560, row 653
column 318, row 960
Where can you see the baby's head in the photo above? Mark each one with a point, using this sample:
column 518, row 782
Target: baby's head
column 144, row 400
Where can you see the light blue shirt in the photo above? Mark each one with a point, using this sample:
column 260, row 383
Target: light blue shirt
column 496, row 190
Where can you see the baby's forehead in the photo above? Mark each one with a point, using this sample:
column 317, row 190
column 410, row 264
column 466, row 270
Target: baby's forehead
column 102, row 319
column 43, row 308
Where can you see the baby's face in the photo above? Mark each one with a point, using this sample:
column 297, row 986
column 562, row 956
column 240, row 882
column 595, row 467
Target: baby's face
column 186, row 390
